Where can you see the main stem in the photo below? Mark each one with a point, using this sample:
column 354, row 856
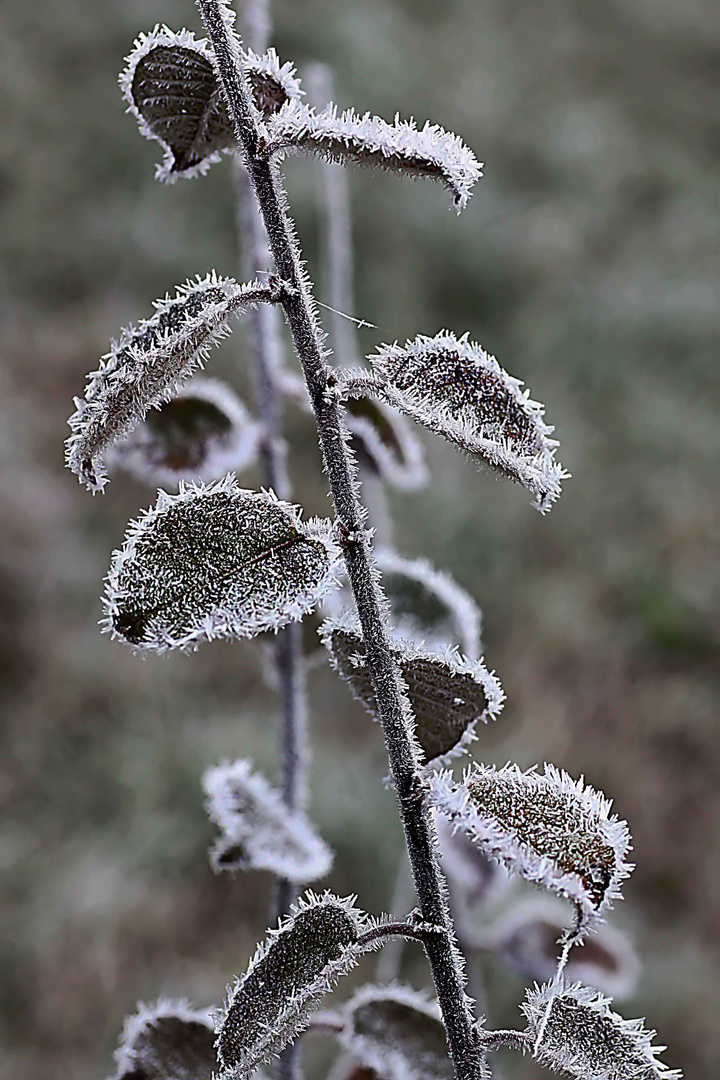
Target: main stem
column 468, row 1059
column 264, row 347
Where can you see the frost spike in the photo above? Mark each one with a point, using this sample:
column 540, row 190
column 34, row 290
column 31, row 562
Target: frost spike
column 455, row 389
column 172, row 90
column 216, row 561
column 448, row 693
column 149, row 362
column 527, row 934
column 167, row 1041
column 199, row 434
column 585, row 1039
column 400, row 147
column 398, row 1033
column 259, row 831
column 290, row 972
column 549, row 828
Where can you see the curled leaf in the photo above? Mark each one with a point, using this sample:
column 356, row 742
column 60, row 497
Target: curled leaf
column 454, row 388
column 385, row 444
column 482, row 881
column 200, row 434
column 398, row 1033
column 216, row 561
column 148, row 363
column 585, row 1039
column 526, row 936
column 171, row 88
column 258, row 830
column 448, row 693
column 427, row 603
column 297, row 964
column 167, row 1041
column 548, row 828
column 400, row 147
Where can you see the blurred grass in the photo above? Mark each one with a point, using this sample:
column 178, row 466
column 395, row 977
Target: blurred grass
column 587, row 261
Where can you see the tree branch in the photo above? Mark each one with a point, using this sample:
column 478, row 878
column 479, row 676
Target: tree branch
column 393, row 707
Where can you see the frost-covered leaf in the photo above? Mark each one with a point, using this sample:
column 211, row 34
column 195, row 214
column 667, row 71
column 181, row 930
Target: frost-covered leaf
column 454, row 388
column 200, row 434
column 258, row 830
column 167, row 1041
column 400, row 147
column 448, row 693
column 148, row 363
column 585, row 1039
column 398, row 1033
column 549, row 828
column 426, row 605
column 216, row 561
column 288, row 975
column 171, row 88
column 385, row 444
column 482, row 881
column 527, row 936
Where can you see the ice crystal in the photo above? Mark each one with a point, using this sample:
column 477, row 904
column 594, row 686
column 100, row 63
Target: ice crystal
column 398, row 1033
column 548, row 828
column 296, row 965
column 400, row 147
column 258, row 830
column 173, row 92
column 448, row 693
column 148, row 363
column 200, row 434
column 527, row 936
column 385, row 444
column 584, row 1038
column 454, row 388
column 167, row 1041
column 216, row 561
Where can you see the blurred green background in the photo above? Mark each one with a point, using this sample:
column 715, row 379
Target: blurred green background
column 587, row 262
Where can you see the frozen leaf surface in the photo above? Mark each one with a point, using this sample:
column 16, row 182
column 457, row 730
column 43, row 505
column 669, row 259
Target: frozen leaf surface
column 398, row 1033
column 173, row 92
column 147, row 365
column 167, row 1041
column 216, row 561
column 448, row 693
column 527, row 934
column 297, row 964
column 585, row 1039
column 457, row 390
column 400, row 147
column 549, row 828
column 200, row 434
column 258, row 831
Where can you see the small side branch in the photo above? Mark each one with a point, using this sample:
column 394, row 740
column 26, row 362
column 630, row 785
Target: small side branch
column 492, row 1041
column 416, row 931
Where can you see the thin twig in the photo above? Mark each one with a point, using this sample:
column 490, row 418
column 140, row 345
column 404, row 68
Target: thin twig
column 497, row 1040
column 393, row 707
column 418, row 932
column 264, row 345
